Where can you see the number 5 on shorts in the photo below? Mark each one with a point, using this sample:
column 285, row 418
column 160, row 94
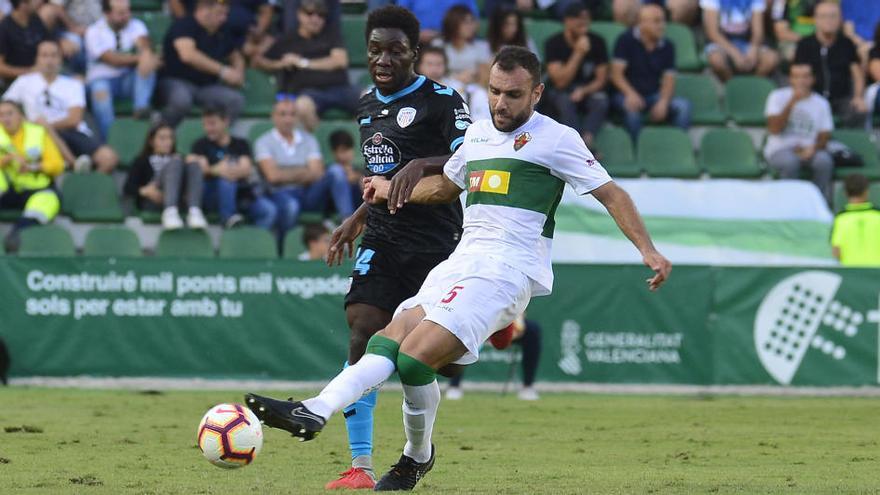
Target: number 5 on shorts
column 451, row 294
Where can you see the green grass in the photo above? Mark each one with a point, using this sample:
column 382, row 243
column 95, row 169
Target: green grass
column 115, row 442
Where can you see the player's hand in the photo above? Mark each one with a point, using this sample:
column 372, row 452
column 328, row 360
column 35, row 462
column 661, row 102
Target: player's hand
column 343, row 238
column 661, row 266
column 403, row 184
column 376, row 189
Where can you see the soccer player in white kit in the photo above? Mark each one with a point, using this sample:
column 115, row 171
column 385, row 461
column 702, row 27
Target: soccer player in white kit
column 514, row 168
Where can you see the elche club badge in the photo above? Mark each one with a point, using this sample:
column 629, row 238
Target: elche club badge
column 520, row 140
column 405, row 116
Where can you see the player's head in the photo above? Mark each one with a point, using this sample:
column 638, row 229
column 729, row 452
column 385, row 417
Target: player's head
column 514, row 87
column 342, row 146
column 215, row 122
column 316, row 239
column 432, row 63
column 856, row 186
column 392, row 47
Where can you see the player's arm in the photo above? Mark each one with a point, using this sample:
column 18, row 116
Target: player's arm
column 345, row 235
column 436, row 189
column 403, row 183
column 621, row 207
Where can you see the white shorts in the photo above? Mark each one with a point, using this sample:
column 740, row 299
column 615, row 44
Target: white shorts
column 472, row 296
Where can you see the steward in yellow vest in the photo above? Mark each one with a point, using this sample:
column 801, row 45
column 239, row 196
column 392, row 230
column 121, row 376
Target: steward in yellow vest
column 855, row 236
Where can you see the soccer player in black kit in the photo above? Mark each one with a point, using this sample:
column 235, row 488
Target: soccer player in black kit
column 410, row 123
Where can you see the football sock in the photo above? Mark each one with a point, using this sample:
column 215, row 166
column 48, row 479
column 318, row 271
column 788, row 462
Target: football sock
column 421, row 397
column 368, row 374
column 359, row 423
column 531, row 353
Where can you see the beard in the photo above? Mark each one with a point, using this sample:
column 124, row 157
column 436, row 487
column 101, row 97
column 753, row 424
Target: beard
column 515, row 120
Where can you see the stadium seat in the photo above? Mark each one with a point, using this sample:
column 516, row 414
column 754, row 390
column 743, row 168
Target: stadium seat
column 157, row 25
column 184, row 243
column 700, row 91
column 666, row 152
column 293, row 245
column 353, row 28
column 188, row 132
column 686, row 57
column 860, row 142
column 615, row 152
column 248, row 242
column 745, row 97
column 46, row 241
column 729, row 153
column 259, row 94
column 90, row 197
column 258, row 129
column 127, row 137
column 326, row 127
column 146, row 5
column 112, row 241
column 609, row 31
column 540, row 30
column 9, row 215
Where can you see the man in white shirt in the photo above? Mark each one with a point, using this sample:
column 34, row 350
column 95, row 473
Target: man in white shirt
column 799, row 123
column 121, row 63
column 432, row 64
column 58, row 101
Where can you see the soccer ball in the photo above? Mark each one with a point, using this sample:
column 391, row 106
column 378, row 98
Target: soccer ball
column 230, row 436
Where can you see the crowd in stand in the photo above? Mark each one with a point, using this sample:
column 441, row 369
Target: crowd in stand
column 67, row 64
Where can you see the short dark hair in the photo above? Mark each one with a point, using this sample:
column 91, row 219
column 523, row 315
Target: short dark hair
column 215, row 111
column 511, row 57
column 394, row 17
column 18, row 106
column 575, row 9
column 15, row 3
column 211, row 3
column 312, row 232
column 855, row 185
column 436, row 50
column 799, row 63
column 340, row 139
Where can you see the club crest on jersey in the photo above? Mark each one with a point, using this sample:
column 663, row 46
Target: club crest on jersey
column 521, row 140
column 405, row 116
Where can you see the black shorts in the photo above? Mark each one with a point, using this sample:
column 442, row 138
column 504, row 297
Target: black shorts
column 384, row 278
column 79, row 143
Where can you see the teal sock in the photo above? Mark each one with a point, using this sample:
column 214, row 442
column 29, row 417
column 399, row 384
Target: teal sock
column 359, row 423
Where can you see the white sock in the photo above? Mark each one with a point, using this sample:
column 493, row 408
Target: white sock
column 419, row 412
column 369, row 373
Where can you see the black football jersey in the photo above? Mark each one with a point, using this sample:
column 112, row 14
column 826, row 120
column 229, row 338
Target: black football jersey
column 421, row 120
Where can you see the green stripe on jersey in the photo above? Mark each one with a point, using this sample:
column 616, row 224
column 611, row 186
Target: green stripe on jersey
column 530, row 187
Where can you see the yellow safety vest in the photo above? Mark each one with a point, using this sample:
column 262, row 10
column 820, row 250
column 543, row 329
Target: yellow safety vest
column 34, row 136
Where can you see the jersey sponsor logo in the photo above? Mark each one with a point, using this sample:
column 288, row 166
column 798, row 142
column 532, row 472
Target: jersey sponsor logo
column 380, row 154
column 462, row 124
column 479, row 139
column 521, row 140
column 405, row 116
column 489, row 181
column 463, row 113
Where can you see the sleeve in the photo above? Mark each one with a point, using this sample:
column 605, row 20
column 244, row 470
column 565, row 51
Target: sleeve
column 552, row 50
column 242, row 147
column 14, row 91
column 97, row 45
column 874, row 53
column 276, row 50
column 452, row 117
column 576, row 165
column 199, row 147
column 827, row 123
column 77, row 97
column 758, row 6
column 851, row 54
column 774, row 104
column 669, row 57
column 484, row 52
column 600, row 50
column 4, row 41
column 710, row 4
column 139, row 29
column 335, row 39
column 137, row 177
column 836, row 236
column 52, row 164
column 262, row 150
column 800, row 52
column 455, row 168
column 621, row 48
column 313, row 150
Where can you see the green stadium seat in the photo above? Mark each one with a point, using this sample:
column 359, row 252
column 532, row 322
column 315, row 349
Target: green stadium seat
column 91, row 197
column 293, row 245
column 700, row 91
column 112, row 241
column 540, row 30
column 188, row 132
column 326, row 127
column 609, row 31
column 666, row 152
column 686, row 57
column 729, row 153
column 354, row 37
column 46, row 241
column 745, row 97
column 615, row 150
column 248, row 243
column 860, row 142
column 257, row 129
column 9, row 215
column 127, row 137
column 146, row 5
column 157, row 24
column 184, row 243
column 259, row 94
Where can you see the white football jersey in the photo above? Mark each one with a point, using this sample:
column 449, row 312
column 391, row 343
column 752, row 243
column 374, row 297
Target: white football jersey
column 514, row 182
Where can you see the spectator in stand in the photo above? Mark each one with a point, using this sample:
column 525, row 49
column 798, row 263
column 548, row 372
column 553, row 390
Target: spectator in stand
column 872, row 94
column 28, row 166
column 432, row 64
column 20, row 33
column 290, row 163
column 69, row 20
column 791, row 20
column 467, row 58
column 643, row 72
column 838, row 74
column 290, row 14
column 226, row 162
column 432, row 14
column 159, row 180
column 342, row 147
column 855, row 235
column 577, row 70
column 799, row 124
column 681, row 11
column 506, row 28
column 202, row 64
column 735, row 30
column 316, row 239
column 121, row 63
column 311, row 63
column 58, row 101
column 249, row 21
column 860, row 18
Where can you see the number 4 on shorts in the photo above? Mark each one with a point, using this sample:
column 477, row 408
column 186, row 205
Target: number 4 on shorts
column 451, row 294
column 362, row 263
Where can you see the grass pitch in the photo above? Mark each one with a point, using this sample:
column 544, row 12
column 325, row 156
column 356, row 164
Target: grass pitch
column 117, row 442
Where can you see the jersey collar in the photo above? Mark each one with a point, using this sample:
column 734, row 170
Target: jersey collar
column 403, row 92
column 859, row 206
